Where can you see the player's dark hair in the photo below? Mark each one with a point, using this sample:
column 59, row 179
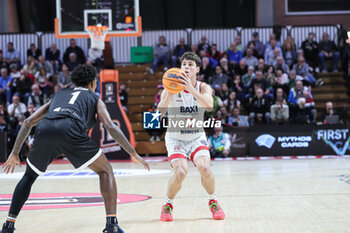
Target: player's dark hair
column 191, row 56
column 83, row 75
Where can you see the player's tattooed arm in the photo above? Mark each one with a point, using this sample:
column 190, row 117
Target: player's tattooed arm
column 165, row 99
column 117, row 134
column 27, row 126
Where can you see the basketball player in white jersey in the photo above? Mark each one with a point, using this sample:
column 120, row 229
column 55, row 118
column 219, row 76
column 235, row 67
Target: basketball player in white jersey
column 188, row 143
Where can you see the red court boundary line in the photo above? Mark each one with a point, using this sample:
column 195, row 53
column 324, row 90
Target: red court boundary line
column 158, row 159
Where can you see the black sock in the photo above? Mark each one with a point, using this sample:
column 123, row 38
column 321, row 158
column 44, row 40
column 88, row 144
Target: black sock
column 10, row 223
column 111, row 219
column 22, row 191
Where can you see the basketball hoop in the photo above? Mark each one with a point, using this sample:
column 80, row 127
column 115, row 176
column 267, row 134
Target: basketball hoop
column 98, row 35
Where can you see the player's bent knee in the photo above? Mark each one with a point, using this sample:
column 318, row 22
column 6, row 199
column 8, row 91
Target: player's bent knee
column 180, row 174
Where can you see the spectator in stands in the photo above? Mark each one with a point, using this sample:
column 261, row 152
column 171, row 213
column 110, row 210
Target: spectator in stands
column 123, row 95
column 236, row 119
column 259, row 107
column 224, row 93
column 4, row 119
column 270, row 52
column 226, row 67
column 241, row 68
column 234, row 54
column 37, row 98
column 251, row 45
column 271, row 38
column 217, row 103
column 95, row 56
column 222, row 115
column 213, row 63
column 311, row 50
column 306, row 112
column 238, row 87
column 218, row 78
column 294, row 94
column 293, row 77
column 178, row 51
column 73, row 62
column 330, row 115
column 270, row 77
column 290, row 40
column 46, row 64
column 232, row 102
column 259, row 82
column 31, row 66
column 248, row 77
column 53, row 55
column 214, row 52
column 281, row 65
column 238, row 42
column 262, row 66
column 259, row 46
column 289, row 53
column 328, row 51
column 302, row 69
column 250, row 60
column 273, row 60
column 281, row 80
column 194, row 49
column 12, row 55
column 74, row 48
column 161, row 55
column 204, row 45
column 15, row 74
column 63, row 78
column 279, row 110
column 33, row 51
column 219, row 144
column 16, row 109
column 5, row 87
column 23, row 86
column 206, row 71
column 43, row 79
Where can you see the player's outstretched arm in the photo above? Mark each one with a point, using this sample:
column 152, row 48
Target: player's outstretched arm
column 165, row 99
column 117, row 134
column 26, row 127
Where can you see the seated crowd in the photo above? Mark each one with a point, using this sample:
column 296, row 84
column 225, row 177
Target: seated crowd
column 25, row 88
column 270, row 83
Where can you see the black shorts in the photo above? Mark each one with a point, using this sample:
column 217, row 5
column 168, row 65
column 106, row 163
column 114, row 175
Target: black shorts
column 67, row 136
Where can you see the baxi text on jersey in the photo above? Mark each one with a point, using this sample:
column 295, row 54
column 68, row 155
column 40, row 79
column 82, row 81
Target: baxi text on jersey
column 192, row 123
column 189, row 109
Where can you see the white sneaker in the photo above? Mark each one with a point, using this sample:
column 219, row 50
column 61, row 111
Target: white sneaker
column 152, row 139
column 149, row 70
column 157, row 139
column 317, row 70
column 165, row 68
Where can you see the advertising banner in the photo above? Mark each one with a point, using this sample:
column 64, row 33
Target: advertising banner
column 110, row 95
column 239, row 137
column 299, row 140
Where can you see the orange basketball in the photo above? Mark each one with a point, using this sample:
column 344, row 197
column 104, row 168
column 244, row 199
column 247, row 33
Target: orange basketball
column 171, row 80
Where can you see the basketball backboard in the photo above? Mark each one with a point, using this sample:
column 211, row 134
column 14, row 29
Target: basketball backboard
column 120, row 16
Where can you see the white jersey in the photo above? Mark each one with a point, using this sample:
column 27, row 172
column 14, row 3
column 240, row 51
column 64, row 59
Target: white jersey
column 183, row 111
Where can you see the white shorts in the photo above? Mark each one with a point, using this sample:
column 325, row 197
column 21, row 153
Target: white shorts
column 179, row 149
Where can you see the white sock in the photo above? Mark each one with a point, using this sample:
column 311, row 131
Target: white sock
column 212, row 196
column 168, row 200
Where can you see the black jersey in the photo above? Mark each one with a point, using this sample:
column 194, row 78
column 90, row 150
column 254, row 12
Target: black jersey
column 78, row 103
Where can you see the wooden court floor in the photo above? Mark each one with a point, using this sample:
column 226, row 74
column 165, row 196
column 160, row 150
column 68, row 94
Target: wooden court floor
column 301, row 196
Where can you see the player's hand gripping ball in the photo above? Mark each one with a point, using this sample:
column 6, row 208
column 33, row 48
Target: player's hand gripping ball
column 171, row 80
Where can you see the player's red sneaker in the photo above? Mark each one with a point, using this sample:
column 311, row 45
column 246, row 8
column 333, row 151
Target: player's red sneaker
column 166, row 215
column 215, row 209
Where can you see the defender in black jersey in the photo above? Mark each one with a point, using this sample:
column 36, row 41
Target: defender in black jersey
column 62, row 128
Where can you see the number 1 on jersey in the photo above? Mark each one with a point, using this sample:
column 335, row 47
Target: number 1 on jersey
column 74, row 97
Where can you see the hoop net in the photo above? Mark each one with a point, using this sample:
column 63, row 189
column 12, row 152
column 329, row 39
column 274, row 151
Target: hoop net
column 98, row 35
